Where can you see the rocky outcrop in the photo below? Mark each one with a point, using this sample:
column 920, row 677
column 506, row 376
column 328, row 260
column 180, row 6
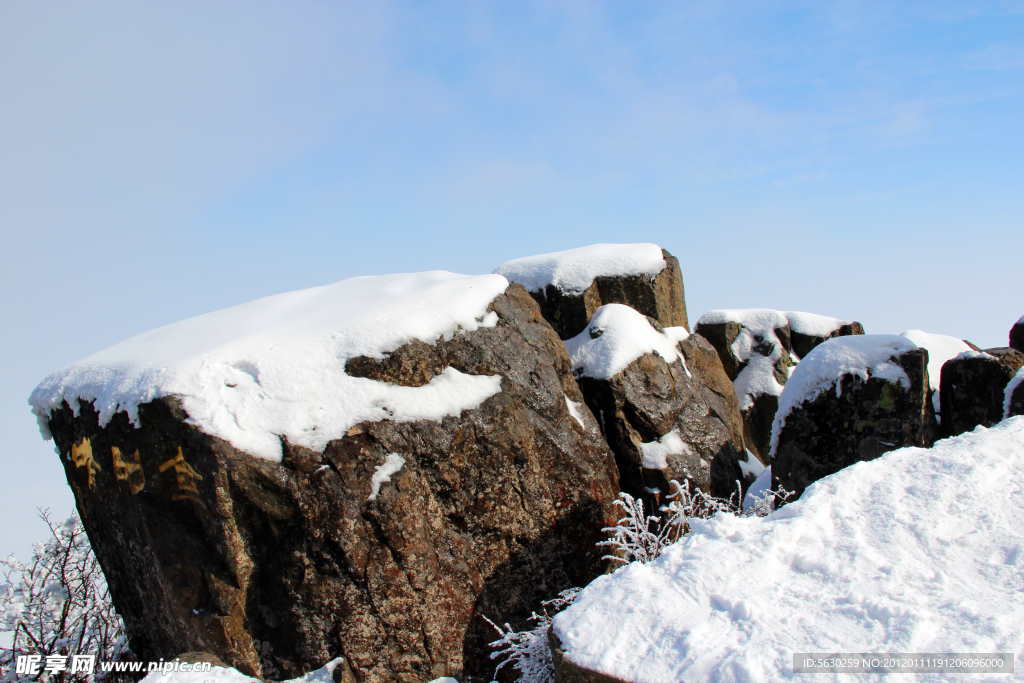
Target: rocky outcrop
column 667, row 412
column 973, row 388
column 831, row 416
column 660, row 296
column 383, row 548
column 758, row 348
column 1017, row 336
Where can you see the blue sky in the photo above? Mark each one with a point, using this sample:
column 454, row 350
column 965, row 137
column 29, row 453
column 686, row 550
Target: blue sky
column 161, row 160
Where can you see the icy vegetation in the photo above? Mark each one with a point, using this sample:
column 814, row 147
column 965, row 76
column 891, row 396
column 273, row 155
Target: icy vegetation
column 275, row 367
column 573, row 271
column 920, row 550
column 863, row 356
column 940, row 349
column 615, row 337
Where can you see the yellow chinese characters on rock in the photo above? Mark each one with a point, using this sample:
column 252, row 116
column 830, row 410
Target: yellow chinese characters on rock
column 186, row 477
column 81, row 455
column 130, row 471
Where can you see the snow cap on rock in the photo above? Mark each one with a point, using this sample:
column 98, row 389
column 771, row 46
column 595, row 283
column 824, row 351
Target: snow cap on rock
column 615, row 337
column 574, row 270
column 275, row 367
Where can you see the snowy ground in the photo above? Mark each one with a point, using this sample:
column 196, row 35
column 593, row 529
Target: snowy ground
column 921, row 550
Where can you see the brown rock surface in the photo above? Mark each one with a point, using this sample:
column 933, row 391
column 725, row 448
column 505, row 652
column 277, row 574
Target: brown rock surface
column 972, row 390
column 863, row 421
column 1017, row 335
column 278, row 567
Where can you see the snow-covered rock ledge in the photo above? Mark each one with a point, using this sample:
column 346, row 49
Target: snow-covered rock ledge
column 571, row 285
column 917, row 551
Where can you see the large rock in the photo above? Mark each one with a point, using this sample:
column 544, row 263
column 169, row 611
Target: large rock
column 850, row 399
column 973, row 388
column 1017, row 335
column 758, row 348
column 664, row 403
column 571, row 285
column 386, row 545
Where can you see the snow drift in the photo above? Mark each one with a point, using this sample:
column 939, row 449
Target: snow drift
column 920, row 550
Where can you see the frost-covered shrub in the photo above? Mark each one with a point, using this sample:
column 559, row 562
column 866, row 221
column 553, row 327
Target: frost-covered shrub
column 57, row 606
column 528, row 651
column 638, row 537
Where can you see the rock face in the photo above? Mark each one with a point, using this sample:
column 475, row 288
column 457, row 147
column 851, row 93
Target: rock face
column 1017, row 335
column 384, row 548
column 758, row 348
column 855, row 419
column 666, row 408
column 660, row 296
column 973, row 388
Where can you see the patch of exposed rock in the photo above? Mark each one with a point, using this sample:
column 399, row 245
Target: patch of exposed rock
column 973, row 388
column 665, row 406
column 384, row 548
column 850, row 402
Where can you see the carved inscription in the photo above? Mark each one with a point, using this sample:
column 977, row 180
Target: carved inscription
column 129, row 471
column 186, row 477
column 81, row 455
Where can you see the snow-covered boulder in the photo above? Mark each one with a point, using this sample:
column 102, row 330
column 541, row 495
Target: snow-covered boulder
column 1017, row 335
column 571, row 285
column 356, row 470
column 974, row 387
column 663, row 402
column 758, row 348
column 941, row 348
column 917, row 551
column 851, row 399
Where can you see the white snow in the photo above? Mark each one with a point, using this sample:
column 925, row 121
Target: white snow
column 755, row 379
column 574, row 410
column 392, row 463
column 677, row 334
column 971, row 353
column 813, row 324
column 1011, row 386
column 920, row 550
column 615, row 337
column 574, row 270
column 940, row 349
column 275, row 367
column 757, row 487
column 655, row 453
column 863, row 356
column 751, row 466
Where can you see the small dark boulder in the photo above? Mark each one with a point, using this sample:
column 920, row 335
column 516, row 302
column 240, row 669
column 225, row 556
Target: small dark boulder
column 854, row 418
column 973, row 388
column 1017, row 335
column 1014, row 399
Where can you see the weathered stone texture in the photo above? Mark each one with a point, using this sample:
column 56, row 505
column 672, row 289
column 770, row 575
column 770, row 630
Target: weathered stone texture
column 661, row 297
column 209, row 549
column 865, row 420
column 1017, row 336
column 972, row 390
column 650, row 398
